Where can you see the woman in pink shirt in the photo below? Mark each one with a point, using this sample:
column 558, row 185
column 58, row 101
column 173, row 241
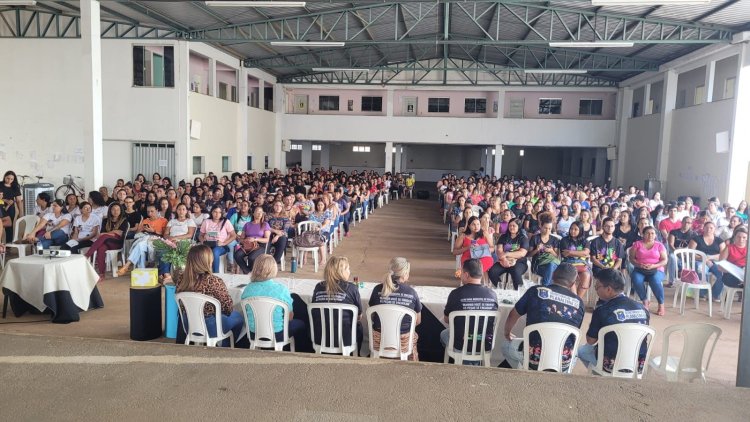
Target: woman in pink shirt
column 649, row 257
column 217, row 233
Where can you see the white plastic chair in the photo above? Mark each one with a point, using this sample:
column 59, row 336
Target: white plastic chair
column 263, row 309
column 328, row 313
column 194, row 321
column 689, row 366
column 481, row 324
column 630, row 337
column 29, row 222
column 112, row 255
column 391, row 317
column 554, row 336
column 727, row 300
column 689, row 259
column 300, row 252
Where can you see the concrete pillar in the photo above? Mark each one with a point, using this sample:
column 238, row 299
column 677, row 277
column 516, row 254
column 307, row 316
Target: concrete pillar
column 325, row 156
column 279, row 159
column 404, row 158
column 388, row 157
column 306, row 155
column 739, row 147
column 183, row 159
column 646, row 100
column 240, row 163
column 500, row 104
column 261, row 94
column 488, row 159
column 497, row 169
column 389, row 103
column 91, row 113
column 708, row 96
column 397, row 164
column 669, row 99
column 213, row 85
column 625, row 108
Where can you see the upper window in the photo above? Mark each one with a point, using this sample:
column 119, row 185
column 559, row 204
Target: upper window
column 438, row 105
column 296, row 147
column 372, row 103
column 590, row 107
column 316, row 147
column 358, row 148
column 550, row 105
column 153, row 65
column 328, row 102
column 475, row 105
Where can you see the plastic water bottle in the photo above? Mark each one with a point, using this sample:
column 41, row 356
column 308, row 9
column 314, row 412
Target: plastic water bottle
column 39, row 249
column 294, row 265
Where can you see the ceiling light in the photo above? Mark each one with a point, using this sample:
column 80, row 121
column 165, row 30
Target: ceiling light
column 592, row 44
column 645, row 2
column 308, row 43
column 256, row 3
column 520, row 152
column 569, row 71
column 17, row 3
column 338, row 69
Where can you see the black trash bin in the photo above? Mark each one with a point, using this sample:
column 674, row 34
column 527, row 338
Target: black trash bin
column 145, row 313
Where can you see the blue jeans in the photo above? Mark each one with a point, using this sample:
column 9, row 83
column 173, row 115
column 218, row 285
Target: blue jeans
column 57, row 238
column 655, row 280
column 587, row 354
column 719, row 284
column 232, row 322
column 445, row 337
column 512, row 355
column 672, row 267
column 218, row 252
column 545, row 271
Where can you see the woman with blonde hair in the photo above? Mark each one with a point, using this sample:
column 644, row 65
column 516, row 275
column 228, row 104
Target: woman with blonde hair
column 395, row 291
column 262, row 284
column 336, row 288
column 198, row 278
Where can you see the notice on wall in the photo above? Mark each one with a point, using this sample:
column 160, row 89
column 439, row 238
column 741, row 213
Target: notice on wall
column 722, row 142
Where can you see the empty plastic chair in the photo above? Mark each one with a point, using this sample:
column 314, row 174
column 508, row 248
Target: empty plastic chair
column 630, row 337
column 194, row 321
column 727, row 300
column 262, row 309
column 554, row 336
column 391, row 317
column 474, row 344
column 29, row 222
column 690, row 365
column 331, row 328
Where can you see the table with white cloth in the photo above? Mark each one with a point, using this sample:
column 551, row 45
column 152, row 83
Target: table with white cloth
column 433, row 300
column 62, row 286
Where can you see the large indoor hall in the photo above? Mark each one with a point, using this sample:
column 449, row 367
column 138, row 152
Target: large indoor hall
column 375, row 210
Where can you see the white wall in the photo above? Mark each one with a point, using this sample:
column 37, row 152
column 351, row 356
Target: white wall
column 219, row 132
column 695, row 168
column 642, row 149
column 261, row 135
column 439, row 130
column 122, row 167
column 41, row 127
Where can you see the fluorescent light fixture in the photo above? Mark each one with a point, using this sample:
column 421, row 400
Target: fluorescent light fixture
column 256, row 3
column 308, row 43
column 17, row 3
column 568, row 71
column 592, row 44
column 645, row 2
column 339, row 69
column 493, row 151
column 520, row 152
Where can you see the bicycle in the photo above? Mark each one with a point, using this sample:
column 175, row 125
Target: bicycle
column 70, row 186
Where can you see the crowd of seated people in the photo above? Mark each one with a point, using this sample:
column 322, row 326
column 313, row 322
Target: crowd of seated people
column 225, row 213
column 534, row 225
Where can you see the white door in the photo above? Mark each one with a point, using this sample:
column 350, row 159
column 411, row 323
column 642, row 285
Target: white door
column 300, row 104
column 410, row 106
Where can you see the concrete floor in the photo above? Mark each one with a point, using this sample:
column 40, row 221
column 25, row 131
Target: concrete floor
column 408, row 227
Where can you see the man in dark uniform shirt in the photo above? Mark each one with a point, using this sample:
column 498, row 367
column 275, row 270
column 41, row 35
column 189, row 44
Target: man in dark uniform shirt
column 553, row 303
column 614, row 308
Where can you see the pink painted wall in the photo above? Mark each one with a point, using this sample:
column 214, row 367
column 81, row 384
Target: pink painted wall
column 344, row 96
column 456, row 102
column 199, row 73
column 227, row 75
column 570, row 104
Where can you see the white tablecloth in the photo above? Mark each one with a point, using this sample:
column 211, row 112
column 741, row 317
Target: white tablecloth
column 432, row 297
column 31, row 277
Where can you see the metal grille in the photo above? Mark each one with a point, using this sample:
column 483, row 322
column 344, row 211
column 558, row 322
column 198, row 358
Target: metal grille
column 150, row 158
column 31, row 191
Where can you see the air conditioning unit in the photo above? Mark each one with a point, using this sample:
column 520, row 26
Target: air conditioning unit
column 286, row 145
column 31, row 191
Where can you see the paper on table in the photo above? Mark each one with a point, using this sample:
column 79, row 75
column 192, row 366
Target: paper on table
column 72, row 243
column 732, row 269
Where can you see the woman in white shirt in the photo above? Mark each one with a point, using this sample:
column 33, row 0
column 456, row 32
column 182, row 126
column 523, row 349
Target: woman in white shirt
column 71, row 204
column 197, row 214
column 85, row 229
column 42, row 204
column 53, row 228
column 182, row 227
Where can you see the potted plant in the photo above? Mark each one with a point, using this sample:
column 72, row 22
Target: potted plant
column 173, row 253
